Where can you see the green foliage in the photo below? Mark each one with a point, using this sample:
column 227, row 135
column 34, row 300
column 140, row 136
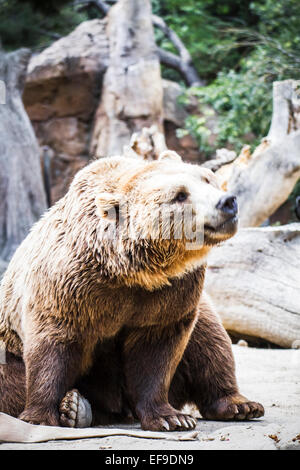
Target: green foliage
column 201, row 24
column 265, row 48
column 243, row 103
column 35, row 24
column 197, row 126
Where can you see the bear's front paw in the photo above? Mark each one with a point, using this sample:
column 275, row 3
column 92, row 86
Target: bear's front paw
column 175, row 421
column 75, row 411
column 43, row 417
column 234, row 407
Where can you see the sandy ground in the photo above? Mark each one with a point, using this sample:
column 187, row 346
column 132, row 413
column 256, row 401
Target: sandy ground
column 270, row 376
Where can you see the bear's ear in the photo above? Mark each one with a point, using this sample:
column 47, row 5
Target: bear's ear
column 170, row 155
column 107, row 205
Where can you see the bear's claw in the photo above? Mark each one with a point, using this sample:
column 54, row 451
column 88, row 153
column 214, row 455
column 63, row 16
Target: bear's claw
column 234, row 407
column 75, row 411
column 178, row 422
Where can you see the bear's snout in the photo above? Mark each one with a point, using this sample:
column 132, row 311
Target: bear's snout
column 223, row 224
column 228, row 205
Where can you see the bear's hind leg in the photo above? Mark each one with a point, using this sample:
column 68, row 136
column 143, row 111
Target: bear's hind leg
column 206, row 373
column 12, row 385
column 103, row 385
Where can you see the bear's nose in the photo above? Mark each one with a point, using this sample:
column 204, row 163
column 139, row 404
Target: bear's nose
column 228, row 205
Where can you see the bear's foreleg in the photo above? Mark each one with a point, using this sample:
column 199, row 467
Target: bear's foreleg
column 206, row 373
column 51, row 370
column 13, row 395
column 151, row 358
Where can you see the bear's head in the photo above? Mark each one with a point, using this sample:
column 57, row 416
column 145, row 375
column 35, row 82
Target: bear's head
column 156, row 220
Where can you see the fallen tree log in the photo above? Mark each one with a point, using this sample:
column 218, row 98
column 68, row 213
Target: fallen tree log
column 267, row 181
column 253, row 280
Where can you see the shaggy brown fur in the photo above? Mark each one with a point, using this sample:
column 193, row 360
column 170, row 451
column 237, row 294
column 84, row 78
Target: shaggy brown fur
column 123, row 321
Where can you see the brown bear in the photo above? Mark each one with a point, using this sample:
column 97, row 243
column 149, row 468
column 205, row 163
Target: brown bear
column 96, row 302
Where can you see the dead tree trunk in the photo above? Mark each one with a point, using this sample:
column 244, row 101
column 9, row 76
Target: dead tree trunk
column 132, row 90
column 263, row 181
column 22, row 195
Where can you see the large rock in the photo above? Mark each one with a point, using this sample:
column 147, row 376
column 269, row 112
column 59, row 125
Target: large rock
column 64, row 79
column 61, row 95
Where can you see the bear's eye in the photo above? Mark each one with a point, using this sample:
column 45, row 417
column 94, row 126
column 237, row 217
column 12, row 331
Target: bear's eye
column 180, row 197
column 206, row 180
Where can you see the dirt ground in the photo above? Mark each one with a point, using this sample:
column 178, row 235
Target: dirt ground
column 270, row 376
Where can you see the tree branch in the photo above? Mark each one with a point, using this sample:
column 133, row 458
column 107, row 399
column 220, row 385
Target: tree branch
column 172, row 36
column 187, row 71
column 99, row 4
column 51, row 34
column 183, row 63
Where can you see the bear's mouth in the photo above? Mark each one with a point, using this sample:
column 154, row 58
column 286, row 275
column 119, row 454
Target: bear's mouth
column 228, row 226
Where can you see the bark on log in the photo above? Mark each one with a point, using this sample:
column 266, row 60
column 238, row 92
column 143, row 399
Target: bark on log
column 132, row 93
column 253, row 280
column 286, row 109
column 22, row 195
column 263, row 181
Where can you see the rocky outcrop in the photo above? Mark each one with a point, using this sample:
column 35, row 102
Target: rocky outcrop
column 63, row 80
